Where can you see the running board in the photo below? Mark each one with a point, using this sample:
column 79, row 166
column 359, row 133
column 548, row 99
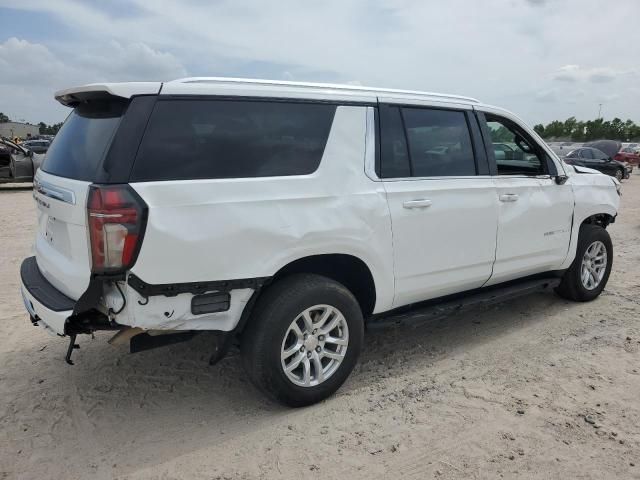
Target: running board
column 144, row 341
column 443, row 307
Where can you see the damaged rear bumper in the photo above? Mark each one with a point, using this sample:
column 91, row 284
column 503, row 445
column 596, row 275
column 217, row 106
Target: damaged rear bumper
column 147, row 316
column 46, row 305
column 50, row 308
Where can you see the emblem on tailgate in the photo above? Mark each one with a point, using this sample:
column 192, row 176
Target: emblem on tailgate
column 52, row 191
column 40, row 202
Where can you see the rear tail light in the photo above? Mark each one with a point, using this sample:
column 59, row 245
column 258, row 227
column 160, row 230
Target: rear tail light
column 617, row 157
column 117, row 219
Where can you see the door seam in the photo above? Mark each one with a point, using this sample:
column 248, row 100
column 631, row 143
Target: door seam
column 495, row 249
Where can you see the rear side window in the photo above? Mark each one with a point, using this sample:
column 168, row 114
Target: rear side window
column 393, row 143
column 80, row 145
column 439, row 142
column 424, row 142
column 197, row 139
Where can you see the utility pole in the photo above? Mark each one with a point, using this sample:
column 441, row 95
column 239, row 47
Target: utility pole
column 599, row 110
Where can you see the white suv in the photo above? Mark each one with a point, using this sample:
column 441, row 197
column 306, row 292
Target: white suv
column 286, row 216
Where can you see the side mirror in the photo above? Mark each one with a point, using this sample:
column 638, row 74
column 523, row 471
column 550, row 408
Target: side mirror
column 561, row 179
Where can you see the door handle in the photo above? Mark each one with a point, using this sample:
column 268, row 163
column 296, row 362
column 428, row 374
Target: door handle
column 422, row 203
column 509, row 197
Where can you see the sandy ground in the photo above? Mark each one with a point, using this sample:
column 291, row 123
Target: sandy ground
column 534, row 388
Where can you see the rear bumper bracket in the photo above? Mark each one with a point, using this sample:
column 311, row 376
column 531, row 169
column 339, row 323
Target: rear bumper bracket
column 72, row 346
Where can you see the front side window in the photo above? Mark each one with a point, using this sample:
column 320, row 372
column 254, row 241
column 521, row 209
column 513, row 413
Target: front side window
column 196, row 139
column 515, row 153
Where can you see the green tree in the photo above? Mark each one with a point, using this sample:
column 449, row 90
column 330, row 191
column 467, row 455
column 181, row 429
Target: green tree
column 3, row 118
column 554, row 130
column 595, row 130
column 577, row 135
column 539, row 129
column 49, row 129
column 501, row 134
column 569, row 126
column 579, row 131
column 616, row 129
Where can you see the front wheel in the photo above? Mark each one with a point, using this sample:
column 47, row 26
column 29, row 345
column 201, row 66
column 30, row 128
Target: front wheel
column 303, row 340
column 619, row 174
column 588, row 274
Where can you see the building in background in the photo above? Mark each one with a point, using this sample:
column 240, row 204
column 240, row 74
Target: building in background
column 16, row 129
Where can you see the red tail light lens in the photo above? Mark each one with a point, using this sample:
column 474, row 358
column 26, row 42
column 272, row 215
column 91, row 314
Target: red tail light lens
column 117, row 219
column 617, row 157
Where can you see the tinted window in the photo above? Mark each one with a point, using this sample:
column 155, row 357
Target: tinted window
column 599, row 154
column 82, row 142
column 522, row 157
column 188, row 139
column 439, row 142
column 393, row 143
column 586, row 153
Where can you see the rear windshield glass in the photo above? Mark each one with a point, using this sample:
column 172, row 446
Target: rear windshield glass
column 194, row 139
column 83, row 140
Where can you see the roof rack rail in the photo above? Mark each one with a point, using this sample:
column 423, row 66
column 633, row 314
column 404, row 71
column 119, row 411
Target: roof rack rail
column 333, row 86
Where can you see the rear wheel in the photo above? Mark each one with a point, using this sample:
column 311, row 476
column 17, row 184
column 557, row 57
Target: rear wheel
column 589, row 272
column 303, row 340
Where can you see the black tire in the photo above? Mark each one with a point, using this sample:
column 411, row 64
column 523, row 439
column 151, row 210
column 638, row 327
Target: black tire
column 274, row 312
column 619, row 174
column 571, row 286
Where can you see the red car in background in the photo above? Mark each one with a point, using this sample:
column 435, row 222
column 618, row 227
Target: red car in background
column 629, row 155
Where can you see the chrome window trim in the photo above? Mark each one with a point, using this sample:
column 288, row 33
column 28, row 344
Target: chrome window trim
column 444, row 178
column 370, row 158
column 468, row 177
column 370, row 146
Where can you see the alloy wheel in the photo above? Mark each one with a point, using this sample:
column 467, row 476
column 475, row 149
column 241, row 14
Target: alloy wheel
column 314, row 345
column 594, row 265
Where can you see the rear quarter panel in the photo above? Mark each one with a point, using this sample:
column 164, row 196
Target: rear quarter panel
column 226, row 229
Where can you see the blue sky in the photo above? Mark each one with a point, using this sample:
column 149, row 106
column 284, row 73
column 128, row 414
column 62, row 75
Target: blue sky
column 542, row 59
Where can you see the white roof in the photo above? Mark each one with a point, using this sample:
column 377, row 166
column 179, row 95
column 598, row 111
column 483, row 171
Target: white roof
column 254, row 87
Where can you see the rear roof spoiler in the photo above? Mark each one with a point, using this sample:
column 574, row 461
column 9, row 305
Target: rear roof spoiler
column 71, row 97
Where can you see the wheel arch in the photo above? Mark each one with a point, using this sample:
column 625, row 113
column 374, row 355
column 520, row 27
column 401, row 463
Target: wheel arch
column 601, row 215
column 601, row 219
column 349, row 270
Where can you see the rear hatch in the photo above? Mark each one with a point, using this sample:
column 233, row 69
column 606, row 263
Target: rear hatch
column 73, row 162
